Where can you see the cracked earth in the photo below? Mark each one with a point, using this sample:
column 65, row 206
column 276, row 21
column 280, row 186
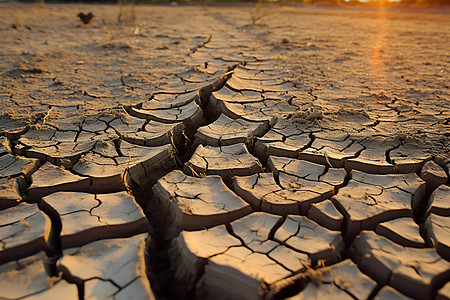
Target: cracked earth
column 192, row 155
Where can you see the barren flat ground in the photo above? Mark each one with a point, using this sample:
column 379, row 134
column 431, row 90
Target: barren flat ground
column 224, row 152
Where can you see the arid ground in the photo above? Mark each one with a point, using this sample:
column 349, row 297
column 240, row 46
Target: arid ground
column 224, row 152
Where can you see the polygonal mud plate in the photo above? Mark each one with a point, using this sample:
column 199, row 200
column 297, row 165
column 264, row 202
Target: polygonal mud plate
column 227, row 95
column 295, row 195
column 256, row 230
column 11, row 165
column 13, row 128
column 410, row 157
column 50, row 178
column 194, row 203
column 88, row 217
column 414, row 272
column 306, row 236
column 166, row 101
column 118, row 261
column 444, row 292
column 369, row 199
column 285, row 138
column 323, row 291
column 439, row 201
column 190, row 251
column 191, row 114
column 372, row 159
column 225, row 161
column 342, row 281
column 403, row 231
column 438, row 231
column 65, row 139
column 349, row 278
column 225, row 131
column 9, row 191
column 268, row 110
column 244, row 73
column 151, row 133
column 263, row 193
column 433, row 174
column 306, row 183
column 107, row 163
column 269, row 85
column 26, row 279
column 388, row 292
column 240, row 274
column 326, row 214
column 331, row 153
column 22, row 230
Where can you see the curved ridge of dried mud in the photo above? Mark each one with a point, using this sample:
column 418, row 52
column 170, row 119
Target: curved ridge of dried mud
column 233, row 180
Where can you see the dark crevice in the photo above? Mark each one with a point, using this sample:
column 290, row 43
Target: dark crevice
column 53, row 244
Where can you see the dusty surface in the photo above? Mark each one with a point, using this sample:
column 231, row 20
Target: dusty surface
column 184, row 152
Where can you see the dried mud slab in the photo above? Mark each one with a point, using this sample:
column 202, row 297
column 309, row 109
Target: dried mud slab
column 239, row 273
column 65, row 136
column 306, row 236
column 370, row 199
column 373, row 158
column 322, row 291
column 261, row 86
column 225, row 131
column 263, row 193
column 11, row 165
column 113, row 268
column 227, row 95
column 10, row 191
column 284, row 139
column 332, row 152
column 88, row 217
column 146, row 133
column 433, row 174
column 326, row 214
column 190, row 251
column 403, row 231
column 256, row 229
column 245, row 257
column 225, row 161
column 260, row 75
column 438, row 231
column 26, row 279
column 439, row 201
column 301, row 184
column 166, row 101
column 444, row 292
column 410, row 157
column 191, row 203
column 13, row 128
column 312, row 88
column 108, row 161
column 191, row 114
column 387, row 292
column 414, row 272
column 343, row 280
column 22, row 230
column 50, row 178
column 268, row 110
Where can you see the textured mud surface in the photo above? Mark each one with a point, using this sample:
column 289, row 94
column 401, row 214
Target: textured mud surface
column 191, row 154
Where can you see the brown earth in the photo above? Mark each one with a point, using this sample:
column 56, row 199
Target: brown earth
column 312, row 142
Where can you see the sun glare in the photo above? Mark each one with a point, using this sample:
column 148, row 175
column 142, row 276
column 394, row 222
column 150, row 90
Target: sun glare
column 377, row 65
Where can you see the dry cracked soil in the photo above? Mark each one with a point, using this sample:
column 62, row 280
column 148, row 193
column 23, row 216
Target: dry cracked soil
column 186, row 152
